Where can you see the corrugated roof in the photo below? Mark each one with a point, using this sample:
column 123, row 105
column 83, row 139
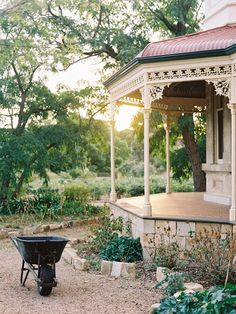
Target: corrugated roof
column 218, row 41
column 213, row 39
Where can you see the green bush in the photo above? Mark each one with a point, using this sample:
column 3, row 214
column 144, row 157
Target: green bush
column 76, row 208
column 216, row 300
column 78, row 193
column 108, row 228
column 122, row 249
column 174, row 282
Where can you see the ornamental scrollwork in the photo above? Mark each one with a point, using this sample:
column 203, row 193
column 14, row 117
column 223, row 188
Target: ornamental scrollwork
column 156, row 91
column 222, row 87
column 200, row 72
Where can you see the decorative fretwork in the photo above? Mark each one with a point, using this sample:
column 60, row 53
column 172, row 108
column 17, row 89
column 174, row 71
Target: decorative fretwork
column 131, row 101
column 127, row 87
column 177, row 108
column 156, row 91
column 195, row 73
column 222, row 87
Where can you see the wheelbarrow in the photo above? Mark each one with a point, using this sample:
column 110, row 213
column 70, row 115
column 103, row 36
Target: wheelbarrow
column 39, row 256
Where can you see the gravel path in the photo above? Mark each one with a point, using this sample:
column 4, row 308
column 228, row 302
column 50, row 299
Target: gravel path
column 77, row 291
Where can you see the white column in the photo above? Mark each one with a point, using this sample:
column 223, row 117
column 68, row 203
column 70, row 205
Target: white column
column 232, row 215
column 113, row 195
column 147, row 205
column 167, row 129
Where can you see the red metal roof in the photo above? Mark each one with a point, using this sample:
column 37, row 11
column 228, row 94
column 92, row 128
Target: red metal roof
column 212, row 39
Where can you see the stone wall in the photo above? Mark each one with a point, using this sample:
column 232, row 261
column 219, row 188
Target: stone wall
column 154, row 231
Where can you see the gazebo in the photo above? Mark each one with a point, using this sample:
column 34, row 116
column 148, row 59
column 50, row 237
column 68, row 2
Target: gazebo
column 191, row 73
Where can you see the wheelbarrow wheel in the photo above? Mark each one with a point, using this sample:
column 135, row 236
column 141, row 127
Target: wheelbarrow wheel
column 46, row 276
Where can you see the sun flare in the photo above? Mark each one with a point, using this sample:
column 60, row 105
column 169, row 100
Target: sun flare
column 125, row 116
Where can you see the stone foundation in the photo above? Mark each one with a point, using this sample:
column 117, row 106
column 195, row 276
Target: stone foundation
column 154, row 231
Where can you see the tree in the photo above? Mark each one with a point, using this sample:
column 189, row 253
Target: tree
column 175, row 18
column 110, row 30
column 37, row 130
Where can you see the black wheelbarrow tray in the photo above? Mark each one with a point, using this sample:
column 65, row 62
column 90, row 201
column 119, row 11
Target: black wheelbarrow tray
column 39, row 256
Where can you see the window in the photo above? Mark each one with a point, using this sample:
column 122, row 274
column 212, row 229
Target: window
column 220, row 133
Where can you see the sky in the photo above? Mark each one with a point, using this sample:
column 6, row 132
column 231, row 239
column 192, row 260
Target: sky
column 89, row 71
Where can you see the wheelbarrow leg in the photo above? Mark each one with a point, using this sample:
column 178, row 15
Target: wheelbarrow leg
column 22, row 281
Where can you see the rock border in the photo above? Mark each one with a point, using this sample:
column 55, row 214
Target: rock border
column 41, row 228
column 118, row 269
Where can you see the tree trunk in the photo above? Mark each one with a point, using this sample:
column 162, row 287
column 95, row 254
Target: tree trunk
column 199, row 179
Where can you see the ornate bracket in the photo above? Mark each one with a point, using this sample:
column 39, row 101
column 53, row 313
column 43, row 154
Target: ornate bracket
column 222, row 87
column 155, row 92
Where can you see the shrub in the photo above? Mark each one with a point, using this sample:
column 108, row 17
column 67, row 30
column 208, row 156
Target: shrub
column 78, row 193
column 174, row 282
column 108, row 228
column 75, row 208
column 210, row 258
column 211, row 301
column 122, row 249
column 167, row 254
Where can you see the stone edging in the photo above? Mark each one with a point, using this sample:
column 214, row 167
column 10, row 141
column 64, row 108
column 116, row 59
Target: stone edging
column 71, row 257
column 4, row 233
column 118, row 269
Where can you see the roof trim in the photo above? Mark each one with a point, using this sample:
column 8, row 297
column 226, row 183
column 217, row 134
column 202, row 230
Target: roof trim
column 178, row 56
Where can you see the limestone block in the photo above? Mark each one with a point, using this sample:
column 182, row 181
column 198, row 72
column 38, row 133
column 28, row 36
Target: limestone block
column 208, row 229
column 74, row 241
column 234, row 229
column 15, row 233
column 128, row 270
column 69, row 254
column 148, row 254
column 166, row 227
column 181, row 242
column 28, row 230
column 148, row 226
column 38, row 229
column 177, row 294
column 148, row 240
column 193, row 286
column 80, row 263
column 154, row 307
column 66, row 224
column 55, row 226
column 185, row 229
column 106, row 267
column 226, row 229
column 160, row 273
column 3, row 234
column 162, row 239
column 46, row 228
column 116, row 269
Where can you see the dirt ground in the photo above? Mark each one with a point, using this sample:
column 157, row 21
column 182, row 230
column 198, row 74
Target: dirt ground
column 77, row 292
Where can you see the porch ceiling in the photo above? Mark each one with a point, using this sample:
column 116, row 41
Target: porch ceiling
column 177, row 98
column 182, row 206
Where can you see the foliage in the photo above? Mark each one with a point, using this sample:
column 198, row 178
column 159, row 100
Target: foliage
column 174, row 282
column 214, row 300
column 210, row 257
column 108, row 228
column 167, row 253
column 172, row 18
column 78, row 193
column 122, row 249
column 48, row 203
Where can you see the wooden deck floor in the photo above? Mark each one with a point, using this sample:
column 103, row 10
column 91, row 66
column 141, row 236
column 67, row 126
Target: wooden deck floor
column 177, row 206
